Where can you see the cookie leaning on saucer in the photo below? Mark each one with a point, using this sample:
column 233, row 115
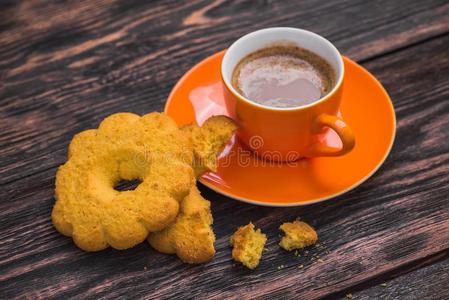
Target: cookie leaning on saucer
column 208, row 142
column 126, row 146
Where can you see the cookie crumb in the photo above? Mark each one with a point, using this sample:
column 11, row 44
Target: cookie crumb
column 349, row 296
column 248, row 245
column 301, row 266
column 383, row 284
column 297, row 235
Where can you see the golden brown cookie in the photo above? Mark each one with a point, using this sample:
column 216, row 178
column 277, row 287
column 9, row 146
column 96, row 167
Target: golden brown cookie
column 248, row 245
column 297, row 235
column 126, row 146
column 191, row 236
column 209, row 141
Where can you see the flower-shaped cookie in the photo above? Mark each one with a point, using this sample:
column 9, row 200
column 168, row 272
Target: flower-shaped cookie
column 126, row 146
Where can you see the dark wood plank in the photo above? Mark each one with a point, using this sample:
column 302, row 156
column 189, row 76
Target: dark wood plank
column 429, row 282
column 64, row 66
column 398, row 217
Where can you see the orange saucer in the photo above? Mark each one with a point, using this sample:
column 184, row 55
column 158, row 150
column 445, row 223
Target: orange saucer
column 366, row 107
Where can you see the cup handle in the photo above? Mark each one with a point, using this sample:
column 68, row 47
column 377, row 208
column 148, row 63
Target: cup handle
column 340, row 127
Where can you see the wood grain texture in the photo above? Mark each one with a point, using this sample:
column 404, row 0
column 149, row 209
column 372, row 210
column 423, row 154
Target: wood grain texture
column 429, row 282
column 64, row 66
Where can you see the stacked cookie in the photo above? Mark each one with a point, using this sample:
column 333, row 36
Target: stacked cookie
column 166, row 208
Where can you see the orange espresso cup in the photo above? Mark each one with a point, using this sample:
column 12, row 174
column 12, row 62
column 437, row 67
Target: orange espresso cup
column 286, row 134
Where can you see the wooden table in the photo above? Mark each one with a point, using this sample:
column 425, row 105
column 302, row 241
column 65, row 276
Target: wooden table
column 66, row 65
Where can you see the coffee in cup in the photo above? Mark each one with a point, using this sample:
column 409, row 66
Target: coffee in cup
column 283, row 76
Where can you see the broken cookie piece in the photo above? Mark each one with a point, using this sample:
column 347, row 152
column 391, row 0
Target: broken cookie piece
column 297, row 235
column 248, row 245
column 209, row 141
column 190, row 236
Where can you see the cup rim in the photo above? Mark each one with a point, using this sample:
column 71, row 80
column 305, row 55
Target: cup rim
column 234, row 47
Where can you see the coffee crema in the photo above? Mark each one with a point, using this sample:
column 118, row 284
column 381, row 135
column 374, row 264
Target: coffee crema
column 283, row 76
